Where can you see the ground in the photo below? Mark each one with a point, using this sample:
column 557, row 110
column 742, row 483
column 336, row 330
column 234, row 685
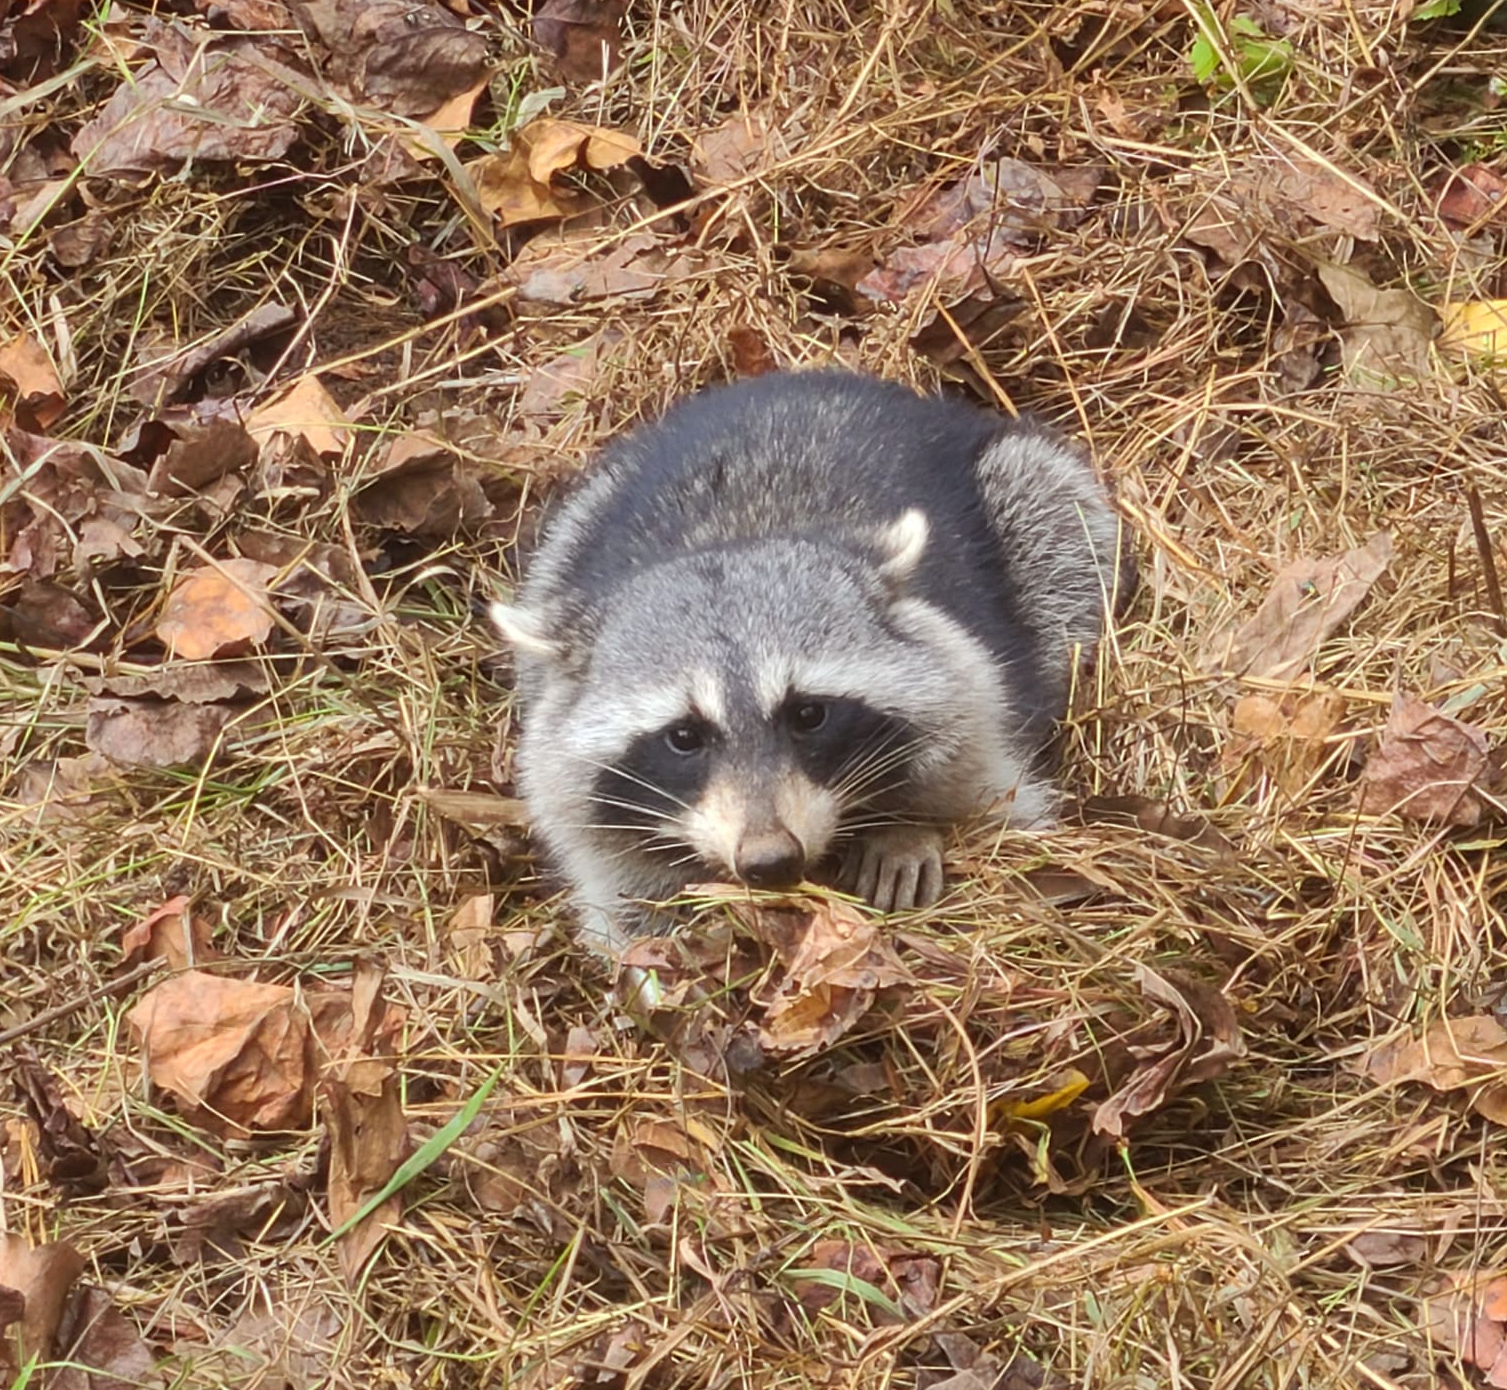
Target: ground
column 302, row 1078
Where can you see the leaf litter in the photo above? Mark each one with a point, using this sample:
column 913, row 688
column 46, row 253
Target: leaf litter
column 320, row 292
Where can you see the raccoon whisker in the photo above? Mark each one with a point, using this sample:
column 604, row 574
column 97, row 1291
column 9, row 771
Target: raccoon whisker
column 627, row 776
column 612, row 803
column 859, row 778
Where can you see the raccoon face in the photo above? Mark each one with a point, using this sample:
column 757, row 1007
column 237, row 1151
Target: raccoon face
column 730, row 788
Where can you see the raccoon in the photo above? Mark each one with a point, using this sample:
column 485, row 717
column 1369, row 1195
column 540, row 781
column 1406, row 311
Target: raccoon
column 808, row 620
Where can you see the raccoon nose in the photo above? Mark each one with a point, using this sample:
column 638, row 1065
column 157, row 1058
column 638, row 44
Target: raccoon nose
column 773, row 859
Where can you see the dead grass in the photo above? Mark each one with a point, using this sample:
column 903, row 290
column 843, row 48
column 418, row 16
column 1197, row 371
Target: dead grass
column 622, row 1212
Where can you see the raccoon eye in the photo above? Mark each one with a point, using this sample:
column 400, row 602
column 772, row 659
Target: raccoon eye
column 808, row 716
column 685, row 739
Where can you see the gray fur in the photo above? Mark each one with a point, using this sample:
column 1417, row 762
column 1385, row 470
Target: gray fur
column 819, row 535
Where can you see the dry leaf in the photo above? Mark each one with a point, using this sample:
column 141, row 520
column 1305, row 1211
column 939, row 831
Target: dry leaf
column 172, row 934
column 43, row 1275
column 583, row 36
column 907, row 1278
column 1284, row 738
column 835, row 959
column 166, row 370
column 422, row 488
column 200, row 103
column 470, row 929
column 363, row 1112
column 107, row 1350
column 574, row 267
column 307, row 410
column 243, row 1057
column 518, row 186
column 1473, row 196
column 1454, row 1054
column 155, row 733
column 1467, row 1317
column 1308, row 600
column 219, row 610
column 733, row 150
column 1477, row 328
column 1387, row 334
column 1426, row 767
column 36, row 394
column 972, row 232
column 1208, row 1041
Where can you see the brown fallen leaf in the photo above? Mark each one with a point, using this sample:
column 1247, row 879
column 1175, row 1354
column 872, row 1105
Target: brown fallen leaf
column 195, row 683
column 419, row 486
column 170, row 933
column 1427, row 767
column 973, row 231
column 1471, row 197
column 574, row 267
column 1282, row 738
column 1454, row 1054
column 398, row 55
column 47, row 616
column 75, row 1160
column 835, row 960
column 1388, row 333
column 155, row 733
column 43, row 1275
column 518, row 186
column 470, row 931
column 1208, row 1041
column 243, row 1057
column 1467, row 1317
column 1308, row 600
column 218, row 610
column 200, row 101
column 582, row 36
column 740, row 146
column 29, row 384
column 107, row 1350
column 363, row 1111
column 306, row 410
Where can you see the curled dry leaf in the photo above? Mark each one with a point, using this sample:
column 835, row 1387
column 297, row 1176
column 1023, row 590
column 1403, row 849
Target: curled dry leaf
column 518, row 186
column 1427, row 767
column 243, row 1057
column 35, row 395
column 172, row 934
column 423, row 489
column 363, row 1111
column 1308, row 600
column 219, row 610
column 972, row 232
column 107, row 1342
column 1454, row 1054
column 1208, row 1040
column 835, row 961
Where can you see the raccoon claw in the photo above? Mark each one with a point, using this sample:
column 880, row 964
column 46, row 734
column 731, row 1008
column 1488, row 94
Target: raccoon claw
column 897, row 868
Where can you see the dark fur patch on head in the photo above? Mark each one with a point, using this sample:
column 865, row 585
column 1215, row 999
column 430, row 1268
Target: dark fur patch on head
column 652, row 781
column 856, row 747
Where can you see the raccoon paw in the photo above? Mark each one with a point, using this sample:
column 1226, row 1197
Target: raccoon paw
column 896, row 867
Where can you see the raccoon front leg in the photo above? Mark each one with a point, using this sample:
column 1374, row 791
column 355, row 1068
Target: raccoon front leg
column 897, row 867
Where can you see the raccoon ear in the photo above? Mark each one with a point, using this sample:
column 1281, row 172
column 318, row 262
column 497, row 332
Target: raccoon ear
column 521, row 629
column 901, row 545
